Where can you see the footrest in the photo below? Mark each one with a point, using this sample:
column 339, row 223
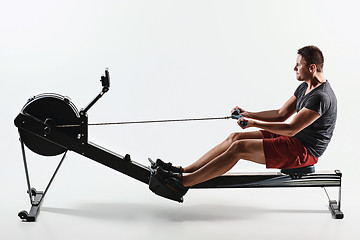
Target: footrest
column 160, row 189
column 298, row 172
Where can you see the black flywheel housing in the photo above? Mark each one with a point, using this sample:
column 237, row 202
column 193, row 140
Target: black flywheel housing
column 60, row 110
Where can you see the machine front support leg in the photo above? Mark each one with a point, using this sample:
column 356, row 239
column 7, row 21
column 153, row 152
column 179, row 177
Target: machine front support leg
column 26, row 169
column 36, row 197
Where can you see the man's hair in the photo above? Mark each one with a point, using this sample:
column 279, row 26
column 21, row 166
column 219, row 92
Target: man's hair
column 312, row 55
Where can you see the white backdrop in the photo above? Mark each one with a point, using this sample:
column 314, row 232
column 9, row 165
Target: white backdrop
column 171, row 59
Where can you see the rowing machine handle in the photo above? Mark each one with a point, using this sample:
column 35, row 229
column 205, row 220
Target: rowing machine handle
column 105, row 80
column 236, row 115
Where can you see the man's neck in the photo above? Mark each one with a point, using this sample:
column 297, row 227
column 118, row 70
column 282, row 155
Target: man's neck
column 316, row 81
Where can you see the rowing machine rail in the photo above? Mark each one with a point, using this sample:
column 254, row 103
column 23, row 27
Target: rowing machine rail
column 279, row 180
column 37, row 125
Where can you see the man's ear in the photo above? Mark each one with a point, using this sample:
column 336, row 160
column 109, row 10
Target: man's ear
column 312, row 67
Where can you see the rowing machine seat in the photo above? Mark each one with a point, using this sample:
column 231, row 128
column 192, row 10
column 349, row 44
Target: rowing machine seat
column 298, row 172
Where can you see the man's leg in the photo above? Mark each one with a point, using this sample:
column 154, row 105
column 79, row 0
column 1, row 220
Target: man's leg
column 248, row 149
column 221, row 148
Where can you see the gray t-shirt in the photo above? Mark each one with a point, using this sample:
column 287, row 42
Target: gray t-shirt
column 322, row 100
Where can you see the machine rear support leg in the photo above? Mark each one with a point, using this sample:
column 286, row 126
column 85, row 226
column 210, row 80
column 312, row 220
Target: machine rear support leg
column 36, row 197
column 335, row 206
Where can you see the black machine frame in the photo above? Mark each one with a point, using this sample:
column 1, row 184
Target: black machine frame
column 49, row 131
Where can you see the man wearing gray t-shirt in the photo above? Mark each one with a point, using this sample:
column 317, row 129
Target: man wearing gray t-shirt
column 278, row 144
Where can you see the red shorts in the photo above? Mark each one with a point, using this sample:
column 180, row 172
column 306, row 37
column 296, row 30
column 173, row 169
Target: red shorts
column 283, row 152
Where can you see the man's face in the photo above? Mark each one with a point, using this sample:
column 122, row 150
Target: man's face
column 302, row 71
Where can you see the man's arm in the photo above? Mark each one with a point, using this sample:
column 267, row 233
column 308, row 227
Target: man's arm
column 302, row 119
column 279, row 115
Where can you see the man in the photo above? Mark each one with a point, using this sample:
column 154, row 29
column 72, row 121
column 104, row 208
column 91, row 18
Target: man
column 278, row 144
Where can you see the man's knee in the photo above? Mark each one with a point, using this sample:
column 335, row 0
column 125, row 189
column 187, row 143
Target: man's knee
column 238, row 146
column 234, row 137
column 244, row 146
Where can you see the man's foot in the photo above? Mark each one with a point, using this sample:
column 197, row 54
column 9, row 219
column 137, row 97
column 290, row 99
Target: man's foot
column 168, row 184
column 165, row 166
column 172, row 180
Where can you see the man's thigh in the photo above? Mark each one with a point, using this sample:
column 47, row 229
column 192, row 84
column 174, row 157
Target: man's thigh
column 251, row 150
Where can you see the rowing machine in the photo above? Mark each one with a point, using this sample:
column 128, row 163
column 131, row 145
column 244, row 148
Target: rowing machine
column 51, row 125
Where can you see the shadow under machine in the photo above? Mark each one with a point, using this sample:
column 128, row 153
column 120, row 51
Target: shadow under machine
column 51, row 125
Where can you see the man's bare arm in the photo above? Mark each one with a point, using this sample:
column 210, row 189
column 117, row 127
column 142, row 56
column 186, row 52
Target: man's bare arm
column 279, row 115
column 301, row 120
